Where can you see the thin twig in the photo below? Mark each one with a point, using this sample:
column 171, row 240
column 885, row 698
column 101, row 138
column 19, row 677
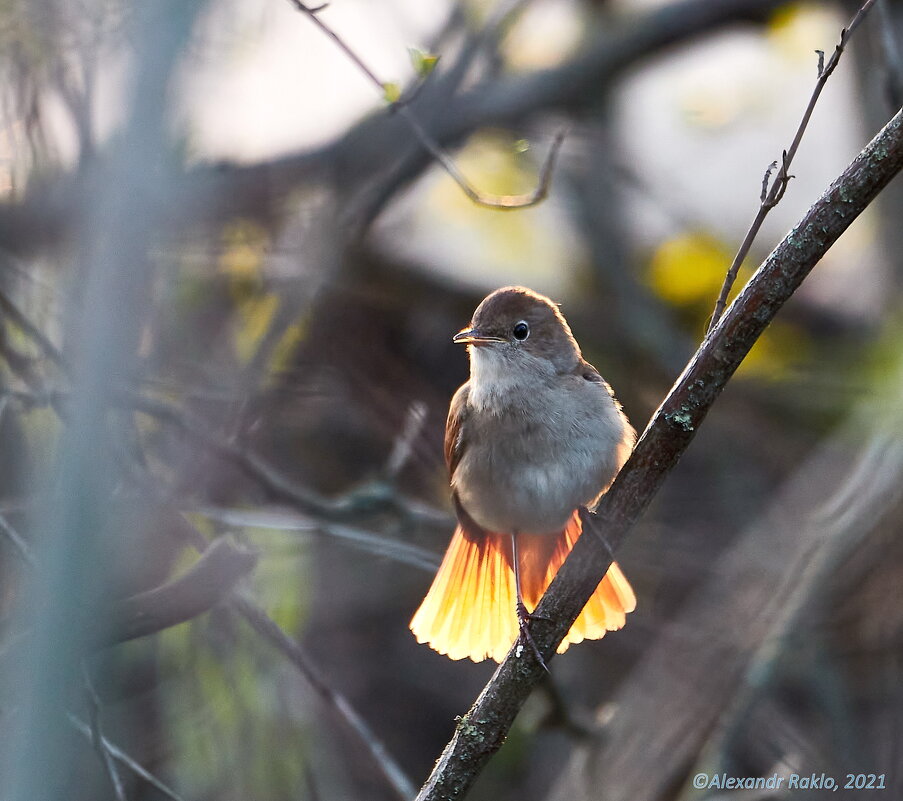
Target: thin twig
column 782, row 179
column 124, row 759
column 404, row 442
column 21, row 546
column 209, row 194
column 367, row 541
column 269, row 630
column 106, row 750
column 403, row 109
column 377, row 496
column 483, row 729
column 347, row 507
column 319, row 515
column 97, row 740
column 504, row 202
column 307, row 500
column 15, row 314
column 765, row 179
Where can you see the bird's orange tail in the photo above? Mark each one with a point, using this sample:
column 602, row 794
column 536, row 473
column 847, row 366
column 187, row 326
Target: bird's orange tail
column 469, row 610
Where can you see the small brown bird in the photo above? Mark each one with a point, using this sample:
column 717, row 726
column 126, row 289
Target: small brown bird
column 534, row 434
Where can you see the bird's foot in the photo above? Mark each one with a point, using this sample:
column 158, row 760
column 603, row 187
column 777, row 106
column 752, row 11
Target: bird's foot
column 525, row 638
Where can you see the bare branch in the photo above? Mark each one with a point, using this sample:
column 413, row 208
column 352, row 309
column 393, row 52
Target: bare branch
column 307, row 500
column 367, row 541
column 483, row 729
column 404, row 442
column 197, row 591
column 567, row 88
column 97, row 740
column 124, row 759
column 402, row 107
column 30, row 329
column 706, row 668
column 21, row 546
column 378, row 495
column 779, row 185
column 269, row 630
column 219, row 191
column 318, row 515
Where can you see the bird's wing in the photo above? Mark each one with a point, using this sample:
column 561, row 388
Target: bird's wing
column 585, row 370
column 455, row 443
column 457, row 417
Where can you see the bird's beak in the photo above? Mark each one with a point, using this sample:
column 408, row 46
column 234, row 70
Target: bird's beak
column 472, row 336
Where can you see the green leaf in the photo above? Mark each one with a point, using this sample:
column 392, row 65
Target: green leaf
column 424, row 63
column 391, row 92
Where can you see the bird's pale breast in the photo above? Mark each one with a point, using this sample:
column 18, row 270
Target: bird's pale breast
column 534, row 453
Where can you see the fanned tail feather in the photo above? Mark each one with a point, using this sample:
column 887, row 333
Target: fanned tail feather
column 608, row 606
column 469, row 610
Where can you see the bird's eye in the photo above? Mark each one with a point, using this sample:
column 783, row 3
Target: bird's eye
column 521, row 330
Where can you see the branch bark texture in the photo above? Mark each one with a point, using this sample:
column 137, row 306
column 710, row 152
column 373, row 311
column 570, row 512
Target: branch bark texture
column 483, row 729
column 702, row 676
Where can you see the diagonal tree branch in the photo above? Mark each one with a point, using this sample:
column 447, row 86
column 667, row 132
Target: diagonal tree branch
column 270, row 631
column 348, row 507
column 483, row 729
column 706, row 669
column 771, row 197
column 382, row 759
column 124, row 759
column 97, row 738
column 18, row 541
column 360, row 538
column 210, row 580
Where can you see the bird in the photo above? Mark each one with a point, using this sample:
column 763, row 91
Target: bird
column 533, row 436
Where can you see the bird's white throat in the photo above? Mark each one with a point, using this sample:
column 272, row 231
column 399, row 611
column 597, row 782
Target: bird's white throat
column 497, row 375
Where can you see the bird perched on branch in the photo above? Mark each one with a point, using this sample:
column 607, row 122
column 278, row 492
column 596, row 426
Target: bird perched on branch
column 534, row 435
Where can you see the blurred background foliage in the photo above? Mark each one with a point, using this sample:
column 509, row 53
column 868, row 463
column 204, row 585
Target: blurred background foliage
column 302, row 271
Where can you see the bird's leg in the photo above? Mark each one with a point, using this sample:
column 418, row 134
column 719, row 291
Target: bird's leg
column 595, row 525
column 523, row 616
